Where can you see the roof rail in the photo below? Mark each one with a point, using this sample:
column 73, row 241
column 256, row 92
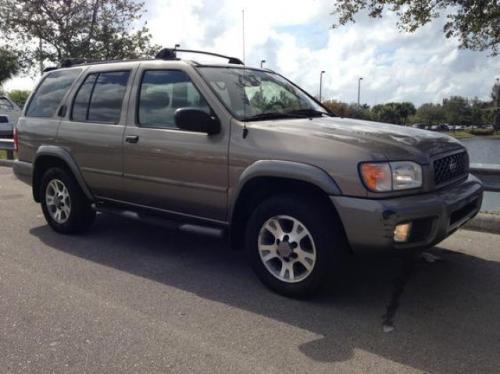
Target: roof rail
column 171, row 54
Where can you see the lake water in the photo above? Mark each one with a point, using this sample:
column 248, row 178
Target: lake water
column 486, row 151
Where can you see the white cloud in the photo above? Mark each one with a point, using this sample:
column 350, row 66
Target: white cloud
column 295, row 39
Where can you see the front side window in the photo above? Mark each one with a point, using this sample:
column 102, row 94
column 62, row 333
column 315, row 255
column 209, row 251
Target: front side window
column 50, row 93
column 100, row 97
column 162, row 92
column 256, row 94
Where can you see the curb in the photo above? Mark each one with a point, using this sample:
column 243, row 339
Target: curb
column 7, row 163
column 484, row 222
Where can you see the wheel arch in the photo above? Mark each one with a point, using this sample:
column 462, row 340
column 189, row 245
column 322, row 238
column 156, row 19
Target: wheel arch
column 266, row 178
column 51, row 156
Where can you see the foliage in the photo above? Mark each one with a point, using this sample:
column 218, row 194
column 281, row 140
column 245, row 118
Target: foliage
column 430, row 114
column 8, row 64
column 482, row 132
column 454, row 111
column 97, row 29
column 474, row 22
column 396, row 113
column 19, row 96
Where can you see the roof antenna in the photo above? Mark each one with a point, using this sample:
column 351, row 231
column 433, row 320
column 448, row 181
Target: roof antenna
column 245, row 129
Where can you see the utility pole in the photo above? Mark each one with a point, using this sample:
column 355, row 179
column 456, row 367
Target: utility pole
column 321, row 84
column 359, row 89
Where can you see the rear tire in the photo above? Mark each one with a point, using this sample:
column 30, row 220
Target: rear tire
column 295, row 244
column 64, row 205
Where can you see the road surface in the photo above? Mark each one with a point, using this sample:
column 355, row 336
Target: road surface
column 128, row 297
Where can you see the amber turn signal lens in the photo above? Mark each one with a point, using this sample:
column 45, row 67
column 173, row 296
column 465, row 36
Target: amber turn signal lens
column 377, row 176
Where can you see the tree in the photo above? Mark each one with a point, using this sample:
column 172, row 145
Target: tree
column 457, row 111
column 474, row 22
column 46, row 30
column 430, row 114
column 8, row 65
column 19, row 96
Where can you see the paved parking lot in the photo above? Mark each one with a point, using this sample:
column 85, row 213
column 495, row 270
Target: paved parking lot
column 132, row 297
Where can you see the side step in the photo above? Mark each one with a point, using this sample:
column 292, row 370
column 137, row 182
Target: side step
column 170, row 224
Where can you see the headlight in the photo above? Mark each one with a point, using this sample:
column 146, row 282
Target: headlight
column 391, row 176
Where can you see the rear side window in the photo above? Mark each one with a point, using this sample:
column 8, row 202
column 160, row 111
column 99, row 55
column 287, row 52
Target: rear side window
column 100, row 97
column 162, row 92
column 50, row 92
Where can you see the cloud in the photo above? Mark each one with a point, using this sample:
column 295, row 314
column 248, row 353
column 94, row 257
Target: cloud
column 296, row 39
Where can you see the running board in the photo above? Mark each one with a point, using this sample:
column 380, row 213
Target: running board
column 163, row 222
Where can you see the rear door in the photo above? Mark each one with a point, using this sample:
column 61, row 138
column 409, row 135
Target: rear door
column 168, row 168
column 92, row 130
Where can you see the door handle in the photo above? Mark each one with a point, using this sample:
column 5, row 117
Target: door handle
column 132, row 139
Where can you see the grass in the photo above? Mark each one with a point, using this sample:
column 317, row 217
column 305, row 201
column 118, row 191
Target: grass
column 3, row 155
column 461, row 134
column 465, row 134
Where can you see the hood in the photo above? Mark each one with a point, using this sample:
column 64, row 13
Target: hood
column 395, row 142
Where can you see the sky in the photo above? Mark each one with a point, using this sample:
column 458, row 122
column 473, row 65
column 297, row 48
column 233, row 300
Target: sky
column 296, row 39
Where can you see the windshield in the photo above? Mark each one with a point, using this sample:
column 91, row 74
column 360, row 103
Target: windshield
column 256, row 95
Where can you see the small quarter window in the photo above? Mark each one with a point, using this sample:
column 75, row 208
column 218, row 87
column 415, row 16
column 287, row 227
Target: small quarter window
column 50, row 93
column 162, row 92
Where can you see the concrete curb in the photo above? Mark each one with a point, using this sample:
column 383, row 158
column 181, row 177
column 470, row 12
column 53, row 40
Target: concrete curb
column 485, row 222
column 6, row 163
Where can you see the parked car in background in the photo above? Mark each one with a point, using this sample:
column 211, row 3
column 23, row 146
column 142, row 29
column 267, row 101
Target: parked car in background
column 9, row 114
column 441, row 127
column 226, row 149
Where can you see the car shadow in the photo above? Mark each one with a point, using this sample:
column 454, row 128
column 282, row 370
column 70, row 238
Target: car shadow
column 445, row 314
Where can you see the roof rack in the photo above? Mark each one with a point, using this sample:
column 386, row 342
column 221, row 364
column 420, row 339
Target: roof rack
column 171, row 54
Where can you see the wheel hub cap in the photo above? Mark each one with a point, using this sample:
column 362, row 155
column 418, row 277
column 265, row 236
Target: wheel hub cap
column 287, row 249
column 58, row 201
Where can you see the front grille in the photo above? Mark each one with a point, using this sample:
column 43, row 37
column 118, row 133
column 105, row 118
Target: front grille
column 450, row 167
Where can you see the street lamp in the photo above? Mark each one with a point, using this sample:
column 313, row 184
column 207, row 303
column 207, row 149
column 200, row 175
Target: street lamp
column 262, row 62
column 359, row 88
column 177, row 46
column 321, row 83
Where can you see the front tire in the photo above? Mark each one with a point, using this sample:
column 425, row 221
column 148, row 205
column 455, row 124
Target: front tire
column 65, row 207
column 294, row 244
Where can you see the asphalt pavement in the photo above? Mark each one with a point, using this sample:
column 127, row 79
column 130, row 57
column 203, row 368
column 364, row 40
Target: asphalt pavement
column 128, row 297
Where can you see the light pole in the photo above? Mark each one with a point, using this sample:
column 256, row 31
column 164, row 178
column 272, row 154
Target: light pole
column 177, row 46
column 321, row 83
column 359, row 88
column 262, row 62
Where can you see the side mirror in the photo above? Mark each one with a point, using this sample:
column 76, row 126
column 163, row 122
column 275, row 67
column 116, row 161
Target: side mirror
column 193, row 119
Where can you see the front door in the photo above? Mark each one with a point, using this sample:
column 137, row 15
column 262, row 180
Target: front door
column 167, row 168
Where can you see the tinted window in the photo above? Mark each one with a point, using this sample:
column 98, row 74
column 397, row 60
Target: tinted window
column 162, row 93
column 107, row 97
column 80, row 109
column 50, row 92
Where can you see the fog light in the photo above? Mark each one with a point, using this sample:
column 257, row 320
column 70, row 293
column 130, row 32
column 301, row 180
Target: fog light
column 402, row 232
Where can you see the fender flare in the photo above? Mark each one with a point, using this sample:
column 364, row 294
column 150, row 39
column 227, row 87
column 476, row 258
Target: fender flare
column 284, row 169
column 65, row 156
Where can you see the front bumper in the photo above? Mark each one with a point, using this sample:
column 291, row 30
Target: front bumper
column 370, row 223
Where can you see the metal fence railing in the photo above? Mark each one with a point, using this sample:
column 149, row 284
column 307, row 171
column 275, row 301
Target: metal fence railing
column 8, row 146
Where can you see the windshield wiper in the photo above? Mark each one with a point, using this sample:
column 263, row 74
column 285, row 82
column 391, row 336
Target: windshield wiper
column 274, row 115
column 309, row 113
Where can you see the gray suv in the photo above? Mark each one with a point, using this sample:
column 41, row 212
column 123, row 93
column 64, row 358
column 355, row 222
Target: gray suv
column 225, row 149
